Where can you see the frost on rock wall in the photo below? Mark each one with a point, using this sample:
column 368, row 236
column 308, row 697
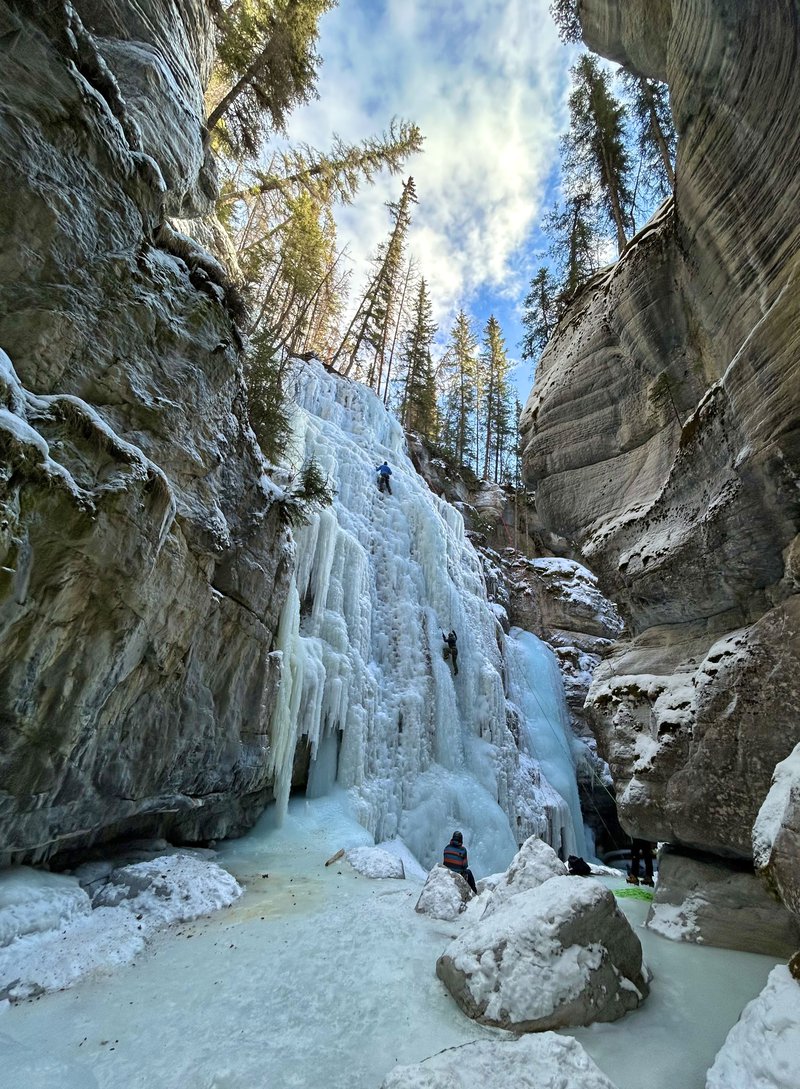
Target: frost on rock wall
column 367, row 700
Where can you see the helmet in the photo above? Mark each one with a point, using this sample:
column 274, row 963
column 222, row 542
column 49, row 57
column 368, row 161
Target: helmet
column 457, row 838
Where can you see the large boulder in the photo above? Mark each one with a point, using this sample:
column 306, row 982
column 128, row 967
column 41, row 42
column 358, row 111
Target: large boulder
column 713, row 902
column 762, row 1048
column 444, row 895
column 776, row 833
column 534, row 863
column 547, row 1061
column 561, row 954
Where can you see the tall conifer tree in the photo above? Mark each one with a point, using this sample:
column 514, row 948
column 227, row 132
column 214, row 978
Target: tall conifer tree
column 418, row 408
column 596, row 159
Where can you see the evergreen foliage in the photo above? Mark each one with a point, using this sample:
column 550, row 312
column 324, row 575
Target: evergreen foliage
column 266, row 65
column 418, row 408
column 459, row 375
column 266, row 377
column 496, row 414
column 311, row 491
column 370, row 331
column 564, row 14
column 541, row 313
column 654, row 136
column 335, row 175
column 596, row 159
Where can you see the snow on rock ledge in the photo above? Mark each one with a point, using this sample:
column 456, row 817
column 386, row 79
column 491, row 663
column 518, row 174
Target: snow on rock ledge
column 533, row 864
column 562, row 954
column 776, row 834
column 548, row 1061
column 762, row 1049
column 445, row 894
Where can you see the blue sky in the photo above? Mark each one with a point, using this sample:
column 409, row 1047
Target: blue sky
column 487, row 82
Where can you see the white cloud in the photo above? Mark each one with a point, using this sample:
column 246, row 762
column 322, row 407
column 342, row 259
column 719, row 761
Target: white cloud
column 485, row 80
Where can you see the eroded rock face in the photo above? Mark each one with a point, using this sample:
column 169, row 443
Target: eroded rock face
column 560, row 954
column 662, row 436
column 143, row 564
column 712, row 902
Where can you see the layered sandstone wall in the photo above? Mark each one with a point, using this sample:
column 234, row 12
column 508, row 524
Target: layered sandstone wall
column 143, row 565
column 663, row 433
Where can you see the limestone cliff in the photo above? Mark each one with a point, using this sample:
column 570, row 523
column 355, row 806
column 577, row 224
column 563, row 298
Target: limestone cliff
column 663, row 433
column 143, row 565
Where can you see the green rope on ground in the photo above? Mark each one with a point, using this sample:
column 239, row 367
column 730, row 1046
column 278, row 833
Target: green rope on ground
column 634, row 893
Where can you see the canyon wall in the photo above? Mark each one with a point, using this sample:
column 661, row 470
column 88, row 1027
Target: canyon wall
column 663, row 434
column 143, row 563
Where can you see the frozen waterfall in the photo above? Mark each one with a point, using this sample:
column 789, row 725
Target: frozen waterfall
column 367, row 700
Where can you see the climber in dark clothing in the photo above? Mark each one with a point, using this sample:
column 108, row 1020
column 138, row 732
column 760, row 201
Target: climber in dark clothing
column 641, row 849
column 455, row 859
column 451, row 649
column 384, row 472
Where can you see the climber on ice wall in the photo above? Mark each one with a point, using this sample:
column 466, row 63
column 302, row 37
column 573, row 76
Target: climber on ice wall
column 451, row 649
column 384, row 472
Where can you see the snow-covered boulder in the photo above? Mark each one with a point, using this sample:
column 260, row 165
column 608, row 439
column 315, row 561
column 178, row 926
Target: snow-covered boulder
column 32, row 901
column 170, row 889
column 776, row 833
column 375, row 862
column 561, row 954
column 548, row 1061
column 444, row 895
column 60, row 937
column 762, row 1048
column 533, row 864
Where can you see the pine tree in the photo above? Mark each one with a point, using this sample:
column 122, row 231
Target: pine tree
column 564, row 14
column 460, row 371
column 596, row 159
column 575, row 243
column 334, row 175
column 541, row 313
column 495, row 409
column 655, row 136
column 266, row 65
column 418, row 408
column 370, row 328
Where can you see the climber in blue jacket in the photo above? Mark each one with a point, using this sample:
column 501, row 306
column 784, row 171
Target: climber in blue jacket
column 455, row 859
column 384, row 472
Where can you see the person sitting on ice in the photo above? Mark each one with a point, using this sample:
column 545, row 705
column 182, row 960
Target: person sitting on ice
column 641, row 848
column 384, row 472
column 451, row 649
column 455, row 859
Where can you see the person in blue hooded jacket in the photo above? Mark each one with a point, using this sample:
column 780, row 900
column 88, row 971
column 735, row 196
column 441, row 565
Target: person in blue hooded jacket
column 384, row 472
column 455, row 859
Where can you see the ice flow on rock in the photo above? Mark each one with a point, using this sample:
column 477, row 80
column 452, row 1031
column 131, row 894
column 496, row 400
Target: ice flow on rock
column 366, row 693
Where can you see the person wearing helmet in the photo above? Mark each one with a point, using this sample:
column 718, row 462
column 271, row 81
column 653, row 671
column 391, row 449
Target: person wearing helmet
column 455, row 859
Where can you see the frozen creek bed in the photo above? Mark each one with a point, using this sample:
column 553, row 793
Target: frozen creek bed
column 320, row 977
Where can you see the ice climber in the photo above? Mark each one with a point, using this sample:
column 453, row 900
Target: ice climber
column 451, row 649
column 455, row 859
column 384, row 472
column 641, row 848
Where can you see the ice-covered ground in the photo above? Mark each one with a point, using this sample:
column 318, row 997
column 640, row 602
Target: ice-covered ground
column 319, row 976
